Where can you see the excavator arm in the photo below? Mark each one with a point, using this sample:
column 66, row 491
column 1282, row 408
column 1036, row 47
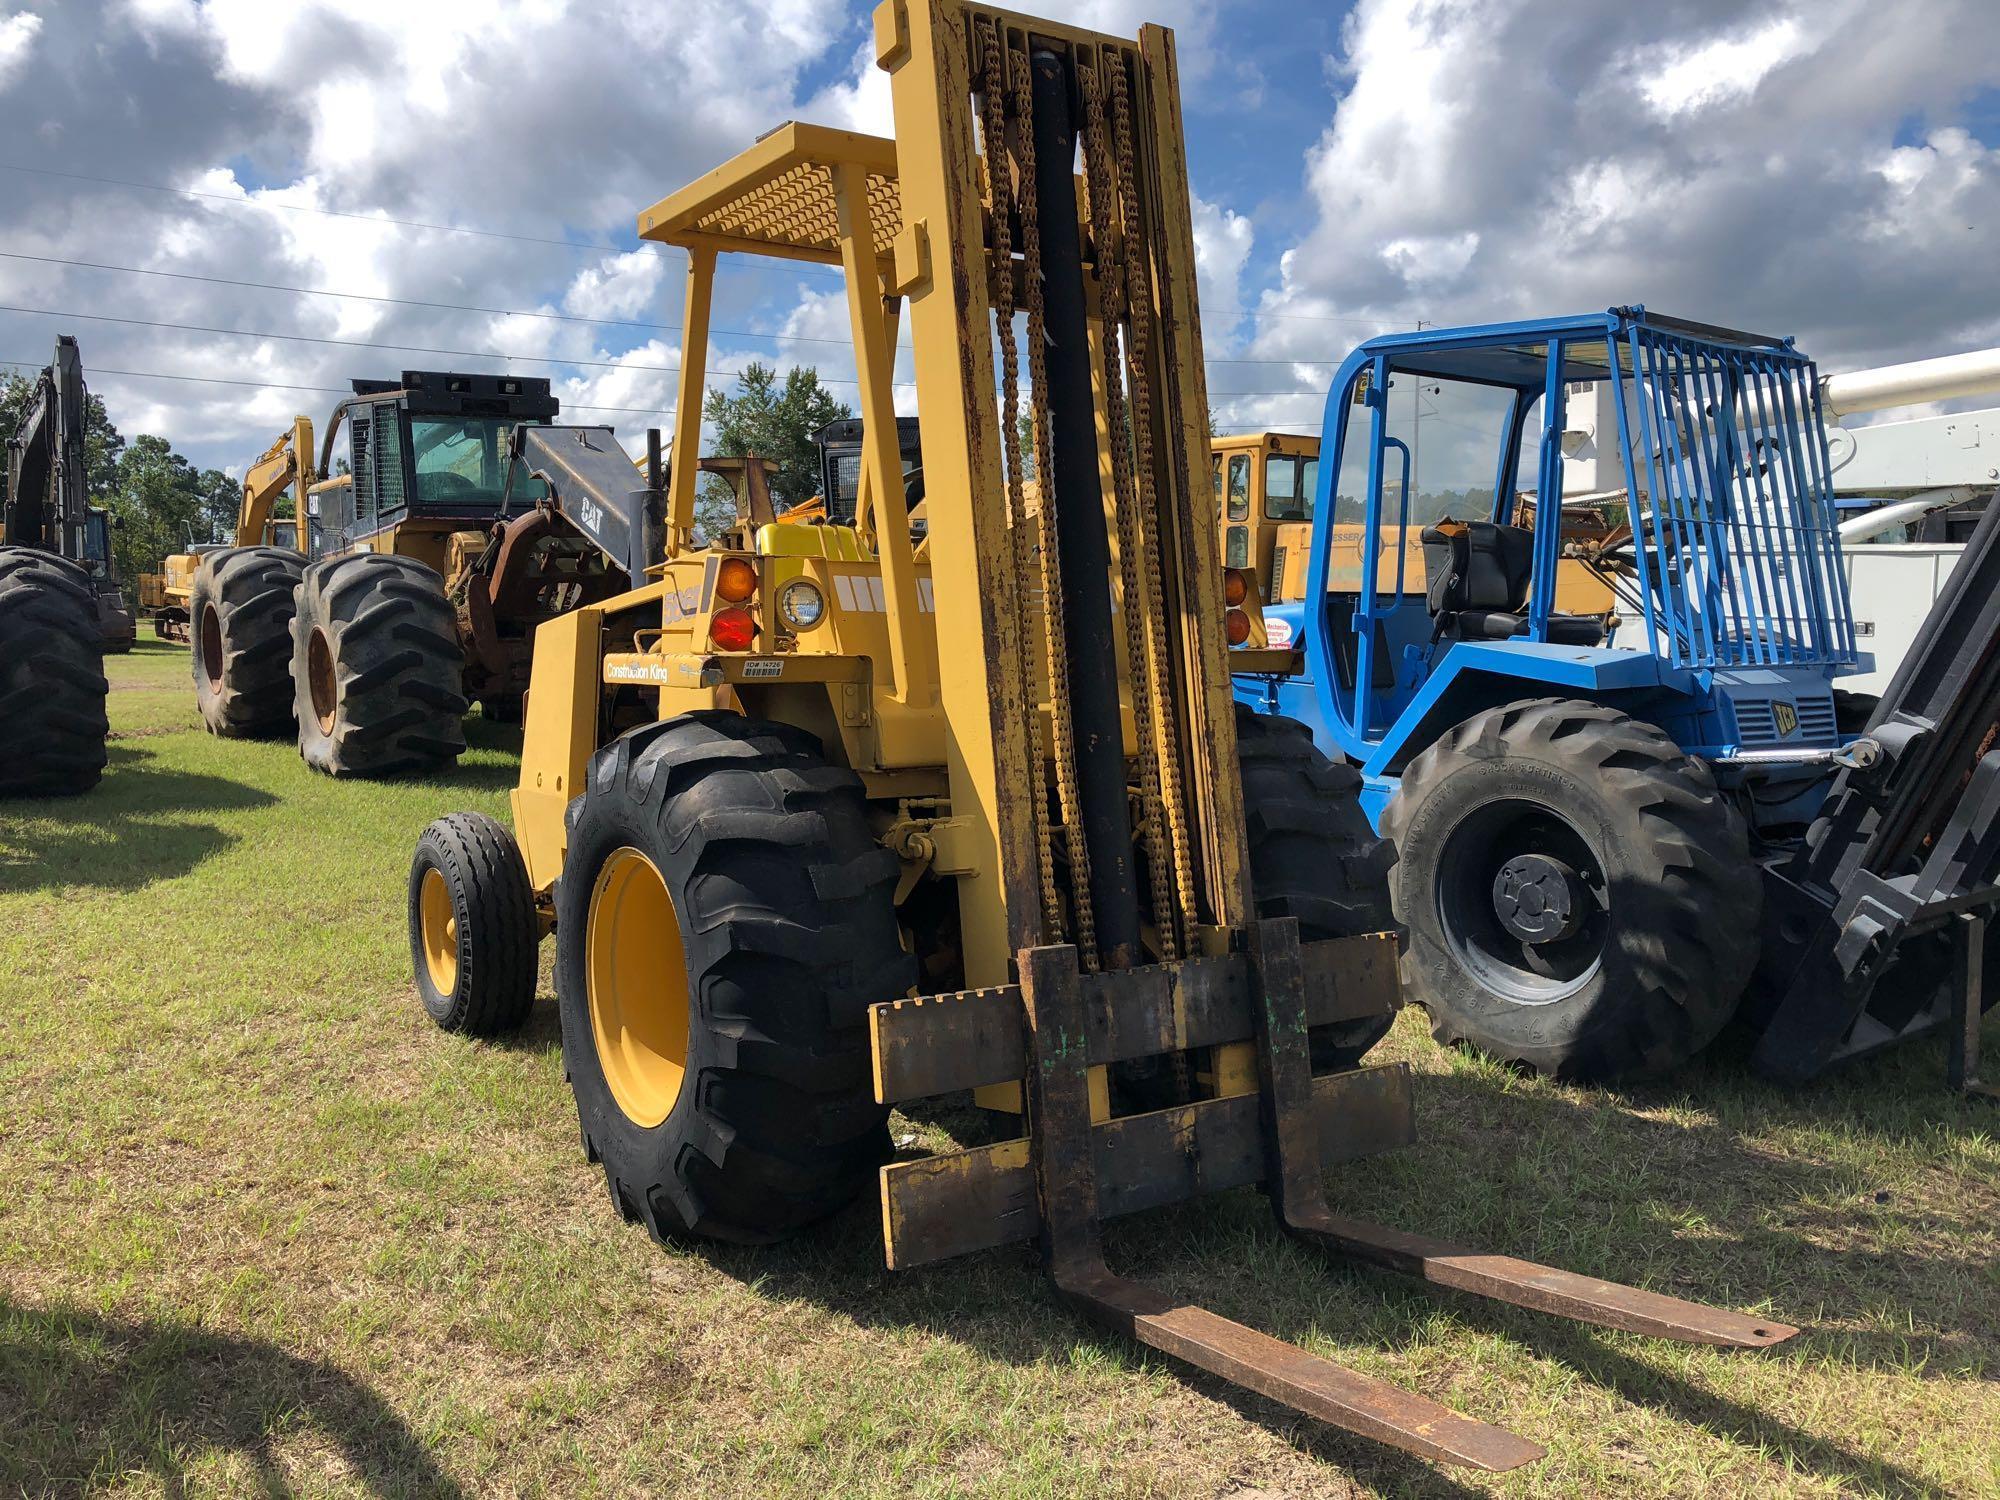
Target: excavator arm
column 286, row 464
column 48, row 487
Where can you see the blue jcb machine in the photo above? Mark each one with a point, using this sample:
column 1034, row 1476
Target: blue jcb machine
column 1617, row 831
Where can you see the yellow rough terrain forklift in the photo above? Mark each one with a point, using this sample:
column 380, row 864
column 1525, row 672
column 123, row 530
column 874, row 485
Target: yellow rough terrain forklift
column 463, row 519
column 827, row 818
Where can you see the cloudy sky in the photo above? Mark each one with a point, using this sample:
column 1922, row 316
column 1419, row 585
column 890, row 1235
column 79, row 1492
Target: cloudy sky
column 465, row 174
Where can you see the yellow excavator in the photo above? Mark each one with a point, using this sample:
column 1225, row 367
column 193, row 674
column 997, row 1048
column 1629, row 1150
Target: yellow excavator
column 830, row 818
column 283, row 472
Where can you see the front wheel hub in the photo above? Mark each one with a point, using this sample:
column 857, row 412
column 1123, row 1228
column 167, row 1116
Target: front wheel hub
column 1539, row 899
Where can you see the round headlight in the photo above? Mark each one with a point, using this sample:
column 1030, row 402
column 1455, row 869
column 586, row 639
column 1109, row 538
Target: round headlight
column 801, row 605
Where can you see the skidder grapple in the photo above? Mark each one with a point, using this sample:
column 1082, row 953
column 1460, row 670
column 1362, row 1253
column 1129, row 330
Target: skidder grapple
column 830, row 818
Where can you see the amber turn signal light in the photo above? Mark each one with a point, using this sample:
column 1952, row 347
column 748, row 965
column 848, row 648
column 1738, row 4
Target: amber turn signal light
column 736, row 579
column 1236, row 625
column 1235, row 587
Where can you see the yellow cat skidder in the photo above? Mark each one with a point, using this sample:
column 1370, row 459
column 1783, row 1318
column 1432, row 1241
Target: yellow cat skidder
column 832, row 817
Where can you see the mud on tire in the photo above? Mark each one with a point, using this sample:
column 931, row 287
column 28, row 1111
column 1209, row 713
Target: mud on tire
column 240, row 640
column 377, row 672
column 1313, row 855
column 1667, row 901
column 52, row 686
column 782, row 906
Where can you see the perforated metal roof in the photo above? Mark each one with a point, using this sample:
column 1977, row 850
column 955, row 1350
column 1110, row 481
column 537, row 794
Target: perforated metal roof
column 777, row 197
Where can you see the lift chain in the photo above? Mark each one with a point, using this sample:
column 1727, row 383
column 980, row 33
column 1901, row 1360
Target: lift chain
column 1057, row 651
column 993, row 124
column 1150, row 712
column 1139, row 364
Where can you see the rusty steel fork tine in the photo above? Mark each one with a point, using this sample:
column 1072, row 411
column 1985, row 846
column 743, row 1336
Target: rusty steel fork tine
column 1299, row 1195
column 1566, row 1294
column 1059, row 1125
column 1286, row 1373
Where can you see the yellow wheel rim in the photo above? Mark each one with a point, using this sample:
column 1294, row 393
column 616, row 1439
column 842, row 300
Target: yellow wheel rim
column 439, row 925
column 636, row 973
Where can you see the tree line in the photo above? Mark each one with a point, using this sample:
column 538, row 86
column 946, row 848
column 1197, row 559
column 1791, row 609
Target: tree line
column 158, row 501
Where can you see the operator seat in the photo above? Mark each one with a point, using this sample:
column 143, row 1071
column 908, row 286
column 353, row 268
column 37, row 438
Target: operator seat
column 1478, row 588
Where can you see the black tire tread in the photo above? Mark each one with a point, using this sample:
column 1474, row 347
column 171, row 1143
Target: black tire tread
column 1695, row 946
column 498, row 938
column 398, row 659
column 1313, row 855
column 53, row 726
column 252, row 589
column 786, row 909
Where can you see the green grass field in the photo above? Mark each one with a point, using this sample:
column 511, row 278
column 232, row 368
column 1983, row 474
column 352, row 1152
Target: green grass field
column 263, row 1230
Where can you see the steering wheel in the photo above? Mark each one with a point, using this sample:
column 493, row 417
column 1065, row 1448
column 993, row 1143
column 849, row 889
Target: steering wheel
column 446, row 484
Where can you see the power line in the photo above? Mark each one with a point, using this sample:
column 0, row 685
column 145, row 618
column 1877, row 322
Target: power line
column 334, row 390
column 324, row 390
column 368, row 218
column 543, row 359
column 302, row 338
column 526, row 239
column 498, row 312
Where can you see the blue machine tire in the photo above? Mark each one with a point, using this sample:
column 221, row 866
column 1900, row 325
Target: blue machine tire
column 1658, row 897
column 1313, row 855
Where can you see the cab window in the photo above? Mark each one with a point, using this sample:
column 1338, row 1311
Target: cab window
column 1289, row 481
column 1239, row 486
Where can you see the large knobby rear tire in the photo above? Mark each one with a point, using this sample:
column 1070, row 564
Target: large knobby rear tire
column 378, row 676
column 723, row 922
column 52, row 686
column 1313, row 855
column 240, row 638
column 1630, row 873
column 473, row 933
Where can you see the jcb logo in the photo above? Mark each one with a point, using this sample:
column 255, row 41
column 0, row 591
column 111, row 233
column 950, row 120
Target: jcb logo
column 1786, row 718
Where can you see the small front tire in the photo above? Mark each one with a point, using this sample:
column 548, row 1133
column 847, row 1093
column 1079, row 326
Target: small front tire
column 1313, row 856
column 473, row 930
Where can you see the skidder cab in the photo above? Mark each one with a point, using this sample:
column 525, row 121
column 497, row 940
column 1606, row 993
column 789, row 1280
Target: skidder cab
column 830, row 817
column 458, row 518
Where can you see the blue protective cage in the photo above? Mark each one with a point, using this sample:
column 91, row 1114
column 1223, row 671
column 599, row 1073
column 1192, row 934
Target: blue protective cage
column 1731, row 448
column 1737, row 615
